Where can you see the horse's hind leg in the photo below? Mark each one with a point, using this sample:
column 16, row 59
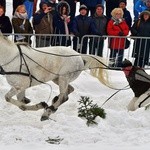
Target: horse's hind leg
column 21, row 97
column 20, row 104
column 65, row 89
column 70, row 90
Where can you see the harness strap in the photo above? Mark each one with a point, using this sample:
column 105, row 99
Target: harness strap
column 143, row 101
column 22, row 58
column 3, row 72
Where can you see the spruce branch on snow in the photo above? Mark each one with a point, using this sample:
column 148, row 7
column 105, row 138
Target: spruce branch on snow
column 90, row 111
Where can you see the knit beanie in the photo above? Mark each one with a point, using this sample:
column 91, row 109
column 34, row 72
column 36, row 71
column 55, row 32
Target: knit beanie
column 82, row 7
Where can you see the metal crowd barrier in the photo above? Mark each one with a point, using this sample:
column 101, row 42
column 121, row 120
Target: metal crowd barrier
column 138, row 49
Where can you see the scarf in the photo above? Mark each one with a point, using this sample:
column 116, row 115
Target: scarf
column 20, row 15
column 117, row 21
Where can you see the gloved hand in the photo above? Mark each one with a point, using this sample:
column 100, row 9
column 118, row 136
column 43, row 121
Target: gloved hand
column 120, row 33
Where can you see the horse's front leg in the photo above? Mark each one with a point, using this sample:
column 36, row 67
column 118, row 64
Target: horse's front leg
column 13, row 91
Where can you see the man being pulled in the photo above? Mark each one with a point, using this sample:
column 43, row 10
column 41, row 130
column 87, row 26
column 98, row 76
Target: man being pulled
column 139, row 82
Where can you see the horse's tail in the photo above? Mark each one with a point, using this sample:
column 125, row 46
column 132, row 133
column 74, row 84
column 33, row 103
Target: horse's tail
column 98, row 67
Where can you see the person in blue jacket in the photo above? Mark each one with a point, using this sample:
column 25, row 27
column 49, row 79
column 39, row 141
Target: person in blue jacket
column 91, row 4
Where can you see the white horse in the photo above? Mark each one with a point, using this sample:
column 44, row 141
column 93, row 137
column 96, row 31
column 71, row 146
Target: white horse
column 25, row 67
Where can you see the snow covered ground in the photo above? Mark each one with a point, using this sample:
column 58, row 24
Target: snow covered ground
column 121, row 130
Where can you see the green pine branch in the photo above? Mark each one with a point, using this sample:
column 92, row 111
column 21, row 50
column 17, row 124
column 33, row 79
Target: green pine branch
column 89, row 110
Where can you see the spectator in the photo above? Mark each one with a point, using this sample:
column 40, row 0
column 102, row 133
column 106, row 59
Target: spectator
column 43, row 24
column 61, row 24
column 117, row 26
column 16, row 3
column 126, row 13
column 141, row 47
column 100, row 20
column 110, row 5
column 29, row 7
column 3, row 4
column 139, row 82
column 91, row 4
column 82, row 25
column 5, row 24
column 21, row 25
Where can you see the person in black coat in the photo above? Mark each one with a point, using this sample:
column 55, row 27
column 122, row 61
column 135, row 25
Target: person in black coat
column 5, row 24
column 96, row 44
column 141, row 47
column 82, row 25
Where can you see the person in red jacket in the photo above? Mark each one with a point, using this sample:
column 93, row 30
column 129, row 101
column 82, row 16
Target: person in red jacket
column 117, row 26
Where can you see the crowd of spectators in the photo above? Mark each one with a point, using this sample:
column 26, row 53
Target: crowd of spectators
column 59, row 17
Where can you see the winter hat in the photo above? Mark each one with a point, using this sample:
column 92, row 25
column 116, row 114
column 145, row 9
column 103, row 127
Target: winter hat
column 99, row 5
column 82, row 7
column 123, row 1
column 126, row 63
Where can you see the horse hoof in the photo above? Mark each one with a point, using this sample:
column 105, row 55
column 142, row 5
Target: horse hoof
column 22, row 108
column 43, row 118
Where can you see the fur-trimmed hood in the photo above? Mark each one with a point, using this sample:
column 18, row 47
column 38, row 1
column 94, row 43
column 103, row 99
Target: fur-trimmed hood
column 62, row 4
